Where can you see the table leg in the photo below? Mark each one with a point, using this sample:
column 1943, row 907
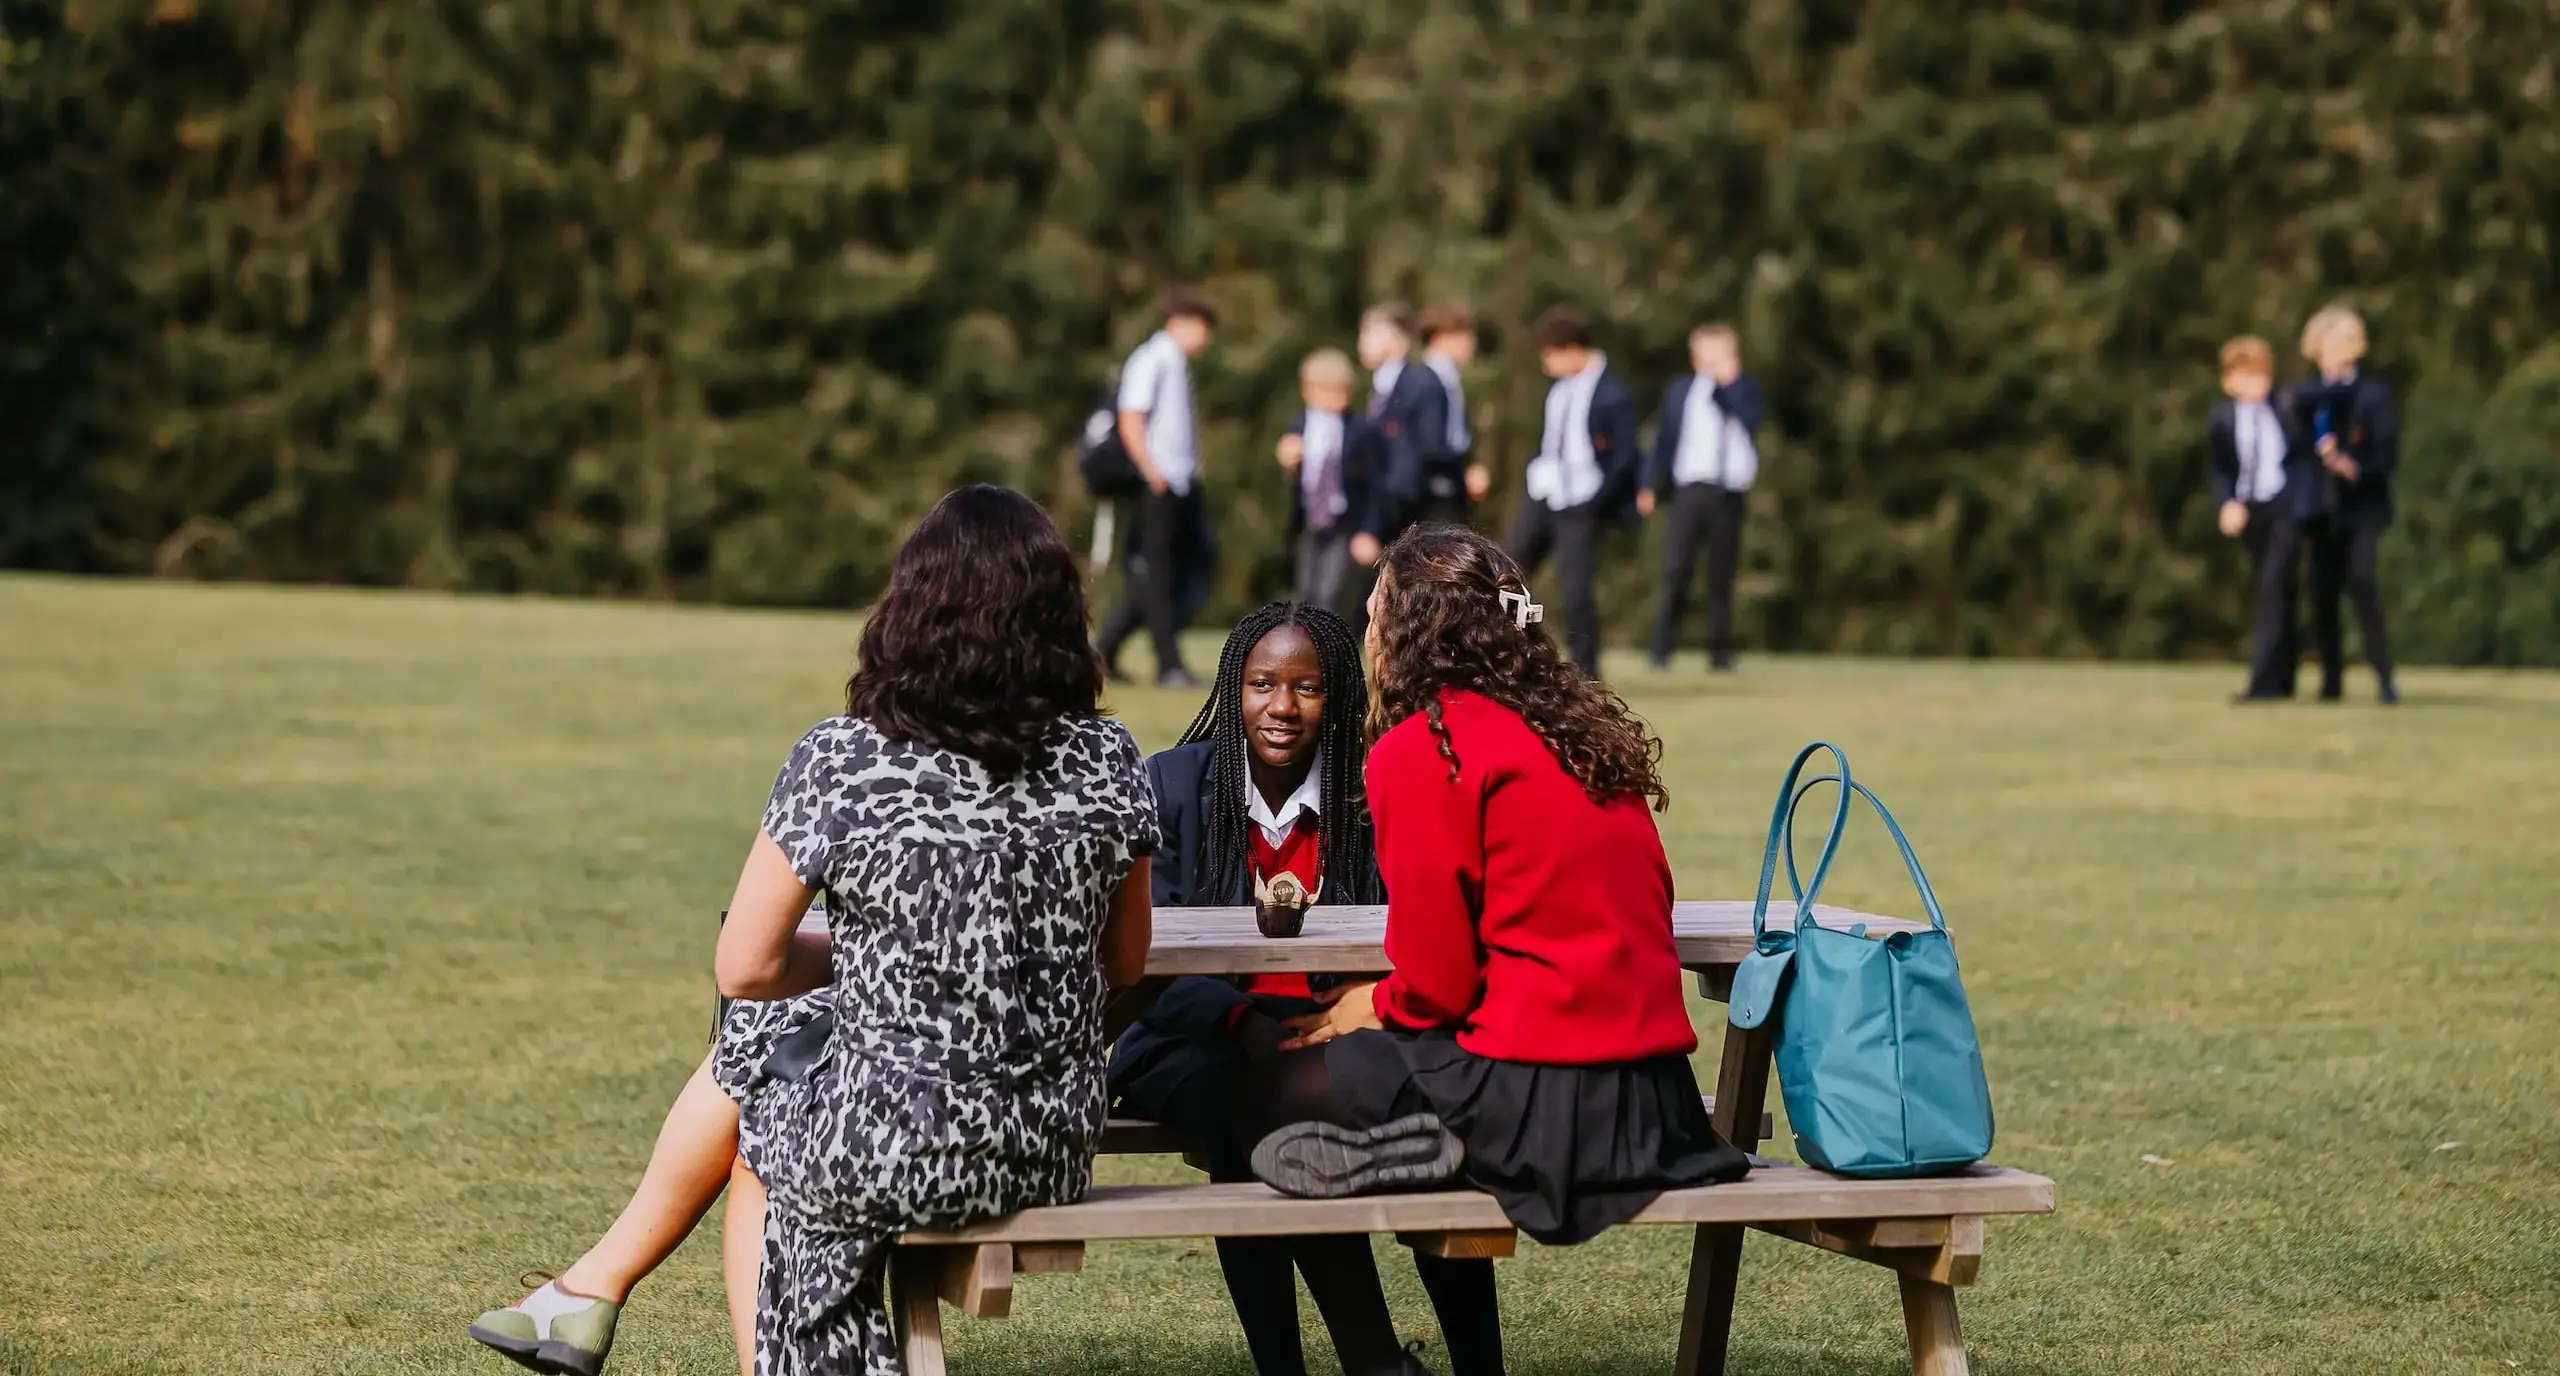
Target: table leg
column 1929, row 1315
column 1715, row 1256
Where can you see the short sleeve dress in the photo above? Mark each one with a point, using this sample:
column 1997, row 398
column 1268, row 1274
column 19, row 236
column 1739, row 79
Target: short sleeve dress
column 959, row 1068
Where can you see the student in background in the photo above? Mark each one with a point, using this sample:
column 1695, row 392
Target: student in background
column 1157, row 425
column 1703, row 464
column 2355, row 435
column 2261, row 476
column 1410, row 408
column 1585, row 472
column 1448, row 347
column 1334, row 460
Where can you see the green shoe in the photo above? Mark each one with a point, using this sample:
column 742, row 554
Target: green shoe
column 551, row 1331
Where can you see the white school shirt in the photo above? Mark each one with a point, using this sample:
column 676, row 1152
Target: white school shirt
column 1714, row 447
column 1566, row 473
column 1447, row 372
column 1157, row 381
column 1277, row 823
column 2260, row 440
column 1321, row 436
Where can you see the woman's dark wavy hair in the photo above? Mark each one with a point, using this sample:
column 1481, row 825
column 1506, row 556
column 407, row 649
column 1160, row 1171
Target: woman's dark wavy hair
column 979, row 644
column 1349, row 849
column 1441, row 624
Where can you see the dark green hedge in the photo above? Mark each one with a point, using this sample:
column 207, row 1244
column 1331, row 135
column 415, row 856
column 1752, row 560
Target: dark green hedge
column 708, row 299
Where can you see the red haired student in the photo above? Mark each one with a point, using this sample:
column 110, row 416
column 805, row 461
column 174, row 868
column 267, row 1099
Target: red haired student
column 1533, row 1041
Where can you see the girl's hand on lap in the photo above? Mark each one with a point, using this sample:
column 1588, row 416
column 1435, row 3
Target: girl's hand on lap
column 1351, row 1008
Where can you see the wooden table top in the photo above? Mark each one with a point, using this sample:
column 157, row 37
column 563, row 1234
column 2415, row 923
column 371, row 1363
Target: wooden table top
column 1345, row 940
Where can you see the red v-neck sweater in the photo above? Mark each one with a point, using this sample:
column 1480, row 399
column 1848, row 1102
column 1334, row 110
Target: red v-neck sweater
column 1533, row 921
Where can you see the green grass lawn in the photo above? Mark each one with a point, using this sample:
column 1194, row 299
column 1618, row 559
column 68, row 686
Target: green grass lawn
column 351, row 946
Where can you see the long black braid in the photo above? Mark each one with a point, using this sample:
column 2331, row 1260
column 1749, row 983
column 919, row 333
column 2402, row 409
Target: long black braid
column 1349, row 848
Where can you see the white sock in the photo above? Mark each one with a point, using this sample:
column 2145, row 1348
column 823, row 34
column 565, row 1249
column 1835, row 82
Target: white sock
column 550, row 1302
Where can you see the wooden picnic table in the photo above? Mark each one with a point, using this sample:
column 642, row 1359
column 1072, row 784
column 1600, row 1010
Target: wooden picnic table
column 1713, row 937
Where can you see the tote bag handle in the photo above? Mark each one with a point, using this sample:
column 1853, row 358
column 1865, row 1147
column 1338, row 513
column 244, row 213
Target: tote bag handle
column 1781, row 825
column 1910, row 858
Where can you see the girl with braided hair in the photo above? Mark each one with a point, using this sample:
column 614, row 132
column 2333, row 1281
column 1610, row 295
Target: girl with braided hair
column 1532, row 1041
column 1261, row 802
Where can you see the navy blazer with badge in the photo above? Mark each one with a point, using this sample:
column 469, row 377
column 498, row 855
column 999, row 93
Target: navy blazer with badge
column 1739, row 399
column 1415, row 422
column 2368, row 428
column 2304, row 478
column 1364, row 458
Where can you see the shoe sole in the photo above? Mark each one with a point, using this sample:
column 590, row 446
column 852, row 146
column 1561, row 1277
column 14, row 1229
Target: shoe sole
column 565, row 1360
column 1322, row 1161
column 523, row 1352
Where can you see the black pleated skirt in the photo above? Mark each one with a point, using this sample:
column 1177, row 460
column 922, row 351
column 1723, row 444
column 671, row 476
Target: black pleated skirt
column 1569, row 1151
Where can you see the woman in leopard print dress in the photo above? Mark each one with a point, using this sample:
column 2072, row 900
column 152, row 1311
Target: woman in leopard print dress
column 979, row 833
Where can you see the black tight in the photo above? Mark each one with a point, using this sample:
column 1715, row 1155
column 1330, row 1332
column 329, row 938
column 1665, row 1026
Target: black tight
column 1283, row 1087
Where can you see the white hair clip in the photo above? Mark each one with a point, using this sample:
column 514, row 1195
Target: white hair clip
column 1524, row 613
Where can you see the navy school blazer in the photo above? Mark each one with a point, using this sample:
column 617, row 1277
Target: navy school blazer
column 1365, row 459
column 1740, row 400
column 1415, row 422
column 2368, row 428
column 2304, row 479
column 1614, row 445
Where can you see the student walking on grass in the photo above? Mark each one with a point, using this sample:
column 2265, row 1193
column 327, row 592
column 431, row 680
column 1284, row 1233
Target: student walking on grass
column 1161, row 433
column 1533, row 1040
column 1585, row 473
column 981, row 836
column 2263, row 476
column 1260, row 805
column 1703, row 464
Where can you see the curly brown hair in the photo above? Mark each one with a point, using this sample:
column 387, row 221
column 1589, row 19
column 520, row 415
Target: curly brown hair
column 1440, row 623
column 979, row 644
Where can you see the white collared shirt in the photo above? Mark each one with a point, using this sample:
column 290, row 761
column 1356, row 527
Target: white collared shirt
column 2260, row 442
column 1321, row 438
column 1459, row 439
column 1714, row 447
column 1566, row 473
column 1157, row 381
column 1277, row 823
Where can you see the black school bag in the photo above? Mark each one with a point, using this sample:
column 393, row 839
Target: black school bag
column 1101, row 456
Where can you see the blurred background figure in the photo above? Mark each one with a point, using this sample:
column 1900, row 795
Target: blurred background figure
column 1334, row 459
column 2355, row 434
column 2261, row 474
column 1172, row 538
column 1584, row 473
column 1411, row 410
column 1449, row 347
column 1703, row 464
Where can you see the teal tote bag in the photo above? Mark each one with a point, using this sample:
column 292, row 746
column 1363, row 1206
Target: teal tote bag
column 1876, row 1053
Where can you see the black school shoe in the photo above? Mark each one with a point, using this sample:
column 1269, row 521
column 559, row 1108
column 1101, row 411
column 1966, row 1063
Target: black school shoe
column 1322, row 1161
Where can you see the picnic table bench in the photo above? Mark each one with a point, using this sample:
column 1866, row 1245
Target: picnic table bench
column 1928, row 1232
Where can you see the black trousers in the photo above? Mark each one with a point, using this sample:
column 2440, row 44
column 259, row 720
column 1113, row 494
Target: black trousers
column 1167, row 545
column 2275, row 646
column 2342, row 559
column 1708, row 515
column 1573, row 537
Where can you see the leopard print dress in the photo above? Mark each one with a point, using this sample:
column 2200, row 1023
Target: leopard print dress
column 963, row 1077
